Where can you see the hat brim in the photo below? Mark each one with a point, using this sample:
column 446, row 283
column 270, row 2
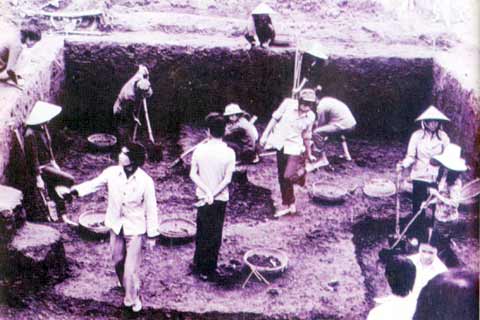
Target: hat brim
column 452, row 164
column 42, row 112
column 232, row 113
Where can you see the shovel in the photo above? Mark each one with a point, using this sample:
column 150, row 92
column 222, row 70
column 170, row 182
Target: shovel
column 154, row 150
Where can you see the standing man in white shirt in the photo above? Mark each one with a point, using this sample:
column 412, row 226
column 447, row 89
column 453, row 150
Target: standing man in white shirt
column 290, row 133
column 131, row 212
column 211, row 170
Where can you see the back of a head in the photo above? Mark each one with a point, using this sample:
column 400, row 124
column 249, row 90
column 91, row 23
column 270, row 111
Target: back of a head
column 136, row 153
column 30, row 30
column 215, row 122
column 450, row 295
column 400, row 273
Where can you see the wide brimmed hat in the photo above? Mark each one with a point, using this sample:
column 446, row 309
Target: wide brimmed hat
column 143, row 85
column 42, row 112
column 316, row 50
column 432, row 113
column 231, row 109
column 308, row 95
column 263, row 8
column 451, row 159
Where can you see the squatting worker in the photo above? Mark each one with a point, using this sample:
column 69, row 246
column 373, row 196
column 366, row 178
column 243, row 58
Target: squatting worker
column 290, row 132
column 333, row 118
column 12, row 41
column 129, row 103
column 212, row 167
column 131, row 212
column 425, row 143
column 240, row 134
column 43, row 173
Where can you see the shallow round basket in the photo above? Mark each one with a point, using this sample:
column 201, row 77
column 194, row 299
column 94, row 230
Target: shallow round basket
column 379, row 188
column 177, row 229
column 101, row 141
column 328, row 192
column 265, row 252
column 94, row 223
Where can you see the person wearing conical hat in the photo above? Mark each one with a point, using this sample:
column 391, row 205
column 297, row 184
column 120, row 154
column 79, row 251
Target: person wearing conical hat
column 240, row 134
column 425, row 143
column 446, row 197
column 262, row 26
column 128, row 103
column 43, row 172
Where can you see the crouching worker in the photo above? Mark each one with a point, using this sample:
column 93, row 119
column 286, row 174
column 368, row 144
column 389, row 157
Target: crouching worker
column 43, row 173
column 334, row 118
column 290, row 132
column 213, row 164
column 127, row 107
column 447, row 198
column 240, row 134
column 12, row 41
column 131, row 212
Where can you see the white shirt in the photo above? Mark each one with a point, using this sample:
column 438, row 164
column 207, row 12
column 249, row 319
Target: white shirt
column 421, row 149
column 291, row 128
column 213, row 160
column 425, row 273
column 132, row 204
column 335, row 112
column 394, row 308
column 446, row 212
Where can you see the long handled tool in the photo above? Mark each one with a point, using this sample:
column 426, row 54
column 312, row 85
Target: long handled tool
column 147, row 119
column 397, row 207
column 155, row 152
column 187, row 152
column 137, row 124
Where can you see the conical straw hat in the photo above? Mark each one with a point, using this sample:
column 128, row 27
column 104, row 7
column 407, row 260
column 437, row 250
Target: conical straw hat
column 432, row 113
column 263, row 8
column 317, row 50
column 42, row 112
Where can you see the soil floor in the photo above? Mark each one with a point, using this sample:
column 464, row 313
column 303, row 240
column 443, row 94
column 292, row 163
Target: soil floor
column 332, row 249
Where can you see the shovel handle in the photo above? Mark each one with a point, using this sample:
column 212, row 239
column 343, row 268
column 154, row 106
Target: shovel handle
column 397, row 205
column 147, row 119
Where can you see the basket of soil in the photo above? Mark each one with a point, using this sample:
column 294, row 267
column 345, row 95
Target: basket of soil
column 268, row 261
column 101, row 142
column 177, row 230
column 92, row 224
column 328, row 193
column 379, row 188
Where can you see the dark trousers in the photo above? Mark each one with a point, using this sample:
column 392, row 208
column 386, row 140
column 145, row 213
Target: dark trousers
column 291, row 170
column 419, row 194
column 441, row 238
column 209, row 236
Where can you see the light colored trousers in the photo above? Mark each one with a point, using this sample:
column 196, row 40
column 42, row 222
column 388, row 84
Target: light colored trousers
column 127, row 257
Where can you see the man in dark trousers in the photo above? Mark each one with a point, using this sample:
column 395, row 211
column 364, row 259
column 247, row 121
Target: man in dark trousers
column 213, row 163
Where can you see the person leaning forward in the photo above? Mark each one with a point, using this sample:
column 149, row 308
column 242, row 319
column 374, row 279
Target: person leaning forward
column 131, row 212
column 213, row 164
column 128, row 104
column 290, row 133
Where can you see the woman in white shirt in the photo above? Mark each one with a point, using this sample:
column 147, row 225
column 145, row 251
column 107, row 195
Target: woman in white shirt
column 424, row 144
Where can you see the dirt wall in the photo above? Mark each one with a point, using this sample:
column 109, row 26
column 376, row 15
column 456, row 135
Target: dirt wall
column 188, row 82
column 461, row 104
column 42, row 69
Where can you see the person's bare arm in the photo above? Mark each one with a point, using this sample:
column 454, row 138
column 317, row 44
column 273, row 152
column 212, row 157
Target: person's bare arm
column 14, row 51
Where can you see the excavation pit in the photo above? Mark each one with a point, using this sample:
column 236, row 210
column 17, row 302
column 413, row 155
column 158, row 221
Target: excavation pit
column 330, row 276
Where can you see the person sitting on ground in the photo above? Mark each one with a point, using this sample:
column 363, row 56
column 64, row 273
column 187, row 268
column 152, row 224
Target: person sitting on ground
column 450, row 295
column 262, row 27
column 128, row 104
column 333, row 118
column 240, row 134
column 43, row 172
column 213, row 164
column 400, row 273
column 427, row 264
column 424, row 144
column 446, row 198
column 131, row 212
column 12, row 42
column 290, row 133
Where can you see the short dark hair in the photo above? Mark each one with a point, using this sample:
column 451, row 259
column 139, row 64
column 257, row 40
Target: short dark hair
column 31, row 31
column 136, row 153
column 400, row 273
column 449, row 295
column 216, row 124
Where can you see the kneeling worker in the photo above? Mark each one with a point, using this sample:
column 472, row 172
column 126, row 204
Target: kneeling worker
column 333, row 118
column 240, row 134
